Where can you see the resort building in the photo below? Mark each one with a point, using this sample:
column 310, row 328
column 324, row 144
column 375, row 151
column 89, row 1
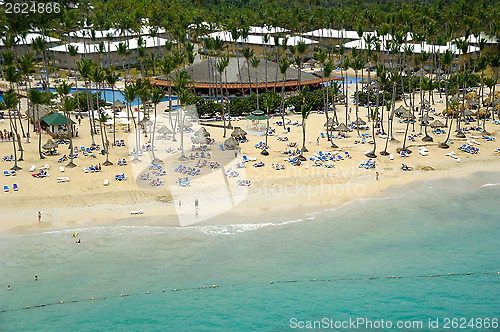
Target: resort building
column 23, row 43
column 260, row 46
column 106, row 53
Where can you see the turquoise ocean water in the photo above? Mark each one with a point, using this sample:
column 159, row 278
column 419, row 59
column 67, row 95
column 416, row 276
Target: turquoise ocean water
column 427, row 228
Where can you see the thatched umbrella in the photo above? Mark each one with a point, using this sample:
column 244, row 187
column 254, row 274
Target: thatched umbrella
column 238, row 132
column 472, row 102
column 359, row 122
column 468, row 112
column 119, row 104
column 50, row 145
column 400, row 110
column 164, row 130
column 187, row 124
column 437, row 124
column 200, row 140
column 62, row 133
column 471, row 95
column 369, row 65
column 202, row 132
column 456, row 98
column 231, row 143
column 420, row 73
column 331, row 122
column 337, row 63
column 439, row 71
column 426, row 118
column 342, row 128
column 408, row 115
column 482, row 112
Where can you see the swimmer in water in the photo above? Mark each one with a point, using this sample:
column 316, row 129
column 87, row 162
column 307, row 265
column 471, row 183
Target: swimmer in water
column 36, row 277
column 8, row 287
column 77, row 241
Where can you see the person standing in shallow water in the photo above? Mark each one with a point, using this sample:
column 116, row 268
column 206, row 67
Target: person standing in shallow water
column 39, row 217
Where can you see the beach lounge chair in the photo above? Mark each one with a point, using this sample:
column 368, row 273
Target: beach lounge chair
column 13, row 173
column 6, row 189
column 85, row 170
column 106, row 182
column 61, row 168
column 62, row 179
column 136, row 212
column 32, row 168
column 6, row 173
column 15, row 187
column 46, row 166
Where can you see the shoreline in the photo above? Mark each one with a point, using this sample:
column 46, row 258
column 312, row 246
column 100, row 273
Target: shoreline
column 251, row 211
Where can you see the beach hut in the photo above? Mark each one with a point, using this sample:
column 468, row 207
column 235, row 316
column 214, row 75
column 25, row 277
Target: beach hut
column 437, row 124
column 256, row 117
column 231, row 143
column 238, row 133
column 202, row 132
column 56, row 119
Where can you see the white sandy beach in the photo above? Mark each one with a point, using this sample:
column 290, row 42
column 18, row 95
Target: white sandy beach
column 84, row 201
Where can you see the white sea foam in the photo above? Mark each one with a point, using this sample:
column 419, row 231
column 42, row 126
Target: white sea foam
column 489, row 185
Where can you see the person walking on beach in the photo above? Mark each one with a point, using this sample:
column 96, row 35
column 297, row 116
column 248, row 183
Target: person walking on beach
column 376, row 175
column 39, row 217
column 196, row 204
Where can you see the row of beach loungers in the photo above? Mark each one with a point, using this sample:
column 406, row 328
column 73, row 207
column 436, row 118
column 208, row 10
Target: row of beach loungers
column 153, row 182
column 369, row 164
column 469, row 149
column 187, row 170
column 14, row 187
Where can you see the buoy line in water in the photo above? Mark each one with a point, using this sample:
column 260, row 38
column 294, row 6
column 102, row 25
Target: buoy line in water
column 262, row 283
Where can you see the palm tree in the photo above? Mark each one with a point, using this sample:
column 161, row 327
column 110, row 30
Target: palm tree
column 446, row 61
column 157, row 95
column 373, row 118
column 255, row 61
column 10, row 103
column 305, row 110
column 357, row 64
column 221, row 66
column 495, row 65
column 283, row 66
column 267, row 103
column 166, row 67
column 111, row 78
column 301, row 49
column 102, row 119
column 40, row 46
column 38, row 98
column 248, row 54
column 183, row 91
column 85, row 68
column 67, row 106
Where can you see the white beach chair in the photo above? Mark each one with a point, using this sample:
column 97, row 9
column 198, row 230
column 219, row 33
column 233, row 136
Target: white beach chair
column 85, row 170
column 106, row 182
column 423, row 153
column 46, row 166
column 61, row 168
column 32, row 168
column 391, row 156
column 62, row 179
column 136, row 212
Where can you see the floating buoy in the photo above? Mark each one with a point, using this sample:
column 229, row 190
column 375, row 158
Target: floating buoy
column 175, row 290
column 163, row 291
column 468, row 273
column 271, row 282
column 61, row 302
column 121, row 295
column 147, row 292
column 399, row 277
column 204, row 286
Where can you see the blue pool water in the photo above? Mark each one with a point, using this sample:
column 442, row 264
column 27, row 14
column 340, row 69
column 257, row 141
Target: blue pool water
column 107, row 95
column 427, row 228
